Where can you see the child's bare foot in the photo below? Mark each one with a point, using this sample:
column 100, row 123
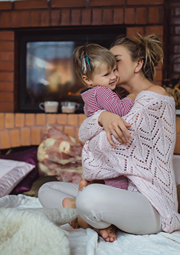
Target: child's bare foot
column 82, row 184
column 69, row 202
column 108, row 234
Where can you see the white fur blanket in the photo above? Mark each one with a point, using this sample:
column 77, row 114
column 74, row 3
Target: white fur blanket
column 86, row 242
column 34, row 231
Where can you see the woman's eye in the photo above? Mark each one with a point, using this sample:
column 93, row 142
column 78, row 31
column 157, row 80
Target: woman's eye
column 115, row 70
column 106, row 74
column 117, row 60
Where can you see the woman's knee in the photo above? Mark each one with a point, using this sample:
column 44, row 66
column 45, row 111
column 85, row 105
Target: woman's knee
column 43, row 190
column 51, row 194
column 47, row 191
column 88, row 204
column 87, row 198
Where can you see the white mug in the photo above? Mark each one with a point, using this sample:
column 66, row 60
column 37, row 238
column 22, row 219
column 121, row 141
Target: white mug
column 69, row 107
column 49, row 106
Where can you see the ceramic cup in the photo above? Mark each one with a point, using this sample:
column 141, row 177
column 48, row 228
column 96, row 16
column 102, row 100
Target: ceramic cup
column 49, row 106
column 69, row 107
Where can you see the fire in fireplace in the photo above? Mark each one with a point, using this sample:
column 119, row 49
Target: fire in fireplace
column 46, row 70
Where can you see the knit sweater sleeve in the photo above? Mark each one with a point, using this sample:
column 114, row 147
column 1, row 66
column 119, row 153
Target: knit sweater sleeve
column 90, row 127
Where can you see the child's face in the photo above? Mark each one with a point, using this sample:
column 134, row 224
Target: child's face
column 105, row 78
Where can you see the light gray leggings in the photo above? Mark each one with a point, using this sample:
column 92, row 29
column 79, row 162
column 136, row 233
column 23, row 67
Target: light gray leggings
column 101, row 205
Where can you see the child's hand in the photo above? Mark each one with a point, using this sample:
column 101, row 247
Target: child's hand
column 132, row 96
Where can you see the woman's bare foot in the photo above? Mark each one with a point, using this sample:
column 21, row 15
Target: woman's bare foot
column 74, row 223
column 69, row 202
column 108, row 234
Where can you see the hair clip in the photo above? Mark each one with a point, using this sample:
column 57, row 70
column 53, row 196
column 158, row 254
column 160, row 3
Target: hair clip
column 84, row 65
column 87, row 58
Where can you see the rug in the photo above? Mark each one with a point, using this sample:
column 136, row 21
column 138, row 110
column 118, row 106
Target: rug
column 34, row 231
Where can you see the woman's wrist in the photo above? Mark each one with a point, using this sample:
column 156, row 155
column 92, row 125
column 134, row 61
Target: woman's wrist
column 100, row 119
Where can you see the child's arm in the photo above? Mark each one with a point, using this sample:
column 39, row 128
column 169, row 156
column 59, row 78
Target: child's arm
column 110, row 101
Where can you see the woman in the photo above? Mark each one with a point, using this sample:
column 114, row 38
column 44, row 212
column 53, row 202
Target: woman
column 143, row 155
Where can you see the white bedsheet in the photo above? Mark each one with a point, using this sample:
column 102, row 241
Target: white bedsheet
column 86, row 242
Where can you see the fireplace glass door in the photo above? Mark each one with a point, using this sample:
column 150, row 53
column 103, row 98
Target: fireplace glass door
column 46, row 65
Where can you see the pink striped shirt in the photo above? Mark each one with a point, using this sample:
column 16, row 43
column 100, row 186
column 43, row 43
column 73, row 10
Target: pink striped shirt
column 102, row 98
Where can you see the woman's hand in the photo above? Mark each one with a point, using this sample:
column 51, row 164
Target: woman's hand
column 114, row 125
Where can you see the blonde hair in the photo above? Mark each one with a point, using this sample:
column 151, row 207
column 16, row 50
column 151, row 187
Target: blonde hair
column 147, row 48
column 87, row 58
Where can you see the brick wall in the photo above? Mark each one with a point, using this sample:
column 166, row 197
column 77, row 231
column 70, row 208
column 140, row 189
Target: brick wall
column 174, row 39
column 173, row 11
column 177, row 147
column 21, row 129
column 7, row 73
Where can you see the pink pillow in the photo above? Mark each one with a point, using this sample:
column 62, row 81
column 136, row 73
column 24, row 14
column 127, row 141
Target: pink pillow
column 60, row 155
column 11, row 173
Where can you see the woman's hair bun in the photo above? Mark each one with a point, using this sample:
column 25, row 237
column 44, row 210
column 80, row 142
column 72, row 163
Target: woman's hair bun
column 150, row 50
column 153, row 49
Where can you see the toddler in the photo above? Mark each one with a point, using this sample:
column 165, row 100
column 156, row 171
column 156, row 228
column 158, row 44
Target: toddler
column 96, row 67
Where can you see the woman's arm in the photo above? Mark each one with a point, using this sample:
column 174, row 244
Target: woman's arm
column 90, row 127
column 110, row 122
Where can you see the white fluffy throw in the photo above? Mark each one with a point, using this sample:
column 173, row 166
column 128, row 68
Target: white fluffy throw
column 34, row 231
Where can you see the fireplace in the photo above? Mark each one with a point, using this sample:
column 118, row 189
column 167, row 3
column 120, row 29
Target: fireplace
column 46, row 66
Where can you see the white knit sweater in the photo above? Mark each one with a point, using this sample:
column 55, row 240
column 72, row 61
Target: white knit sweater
column 146, row 161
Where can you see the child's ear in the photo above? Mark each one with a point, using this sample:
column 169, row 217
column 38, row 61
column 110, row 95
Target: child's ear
column 139, row 65
column 87, row 80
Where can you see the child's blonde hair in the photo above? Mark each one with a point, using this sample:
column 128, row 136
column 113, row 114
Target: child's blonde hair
column 88, row 57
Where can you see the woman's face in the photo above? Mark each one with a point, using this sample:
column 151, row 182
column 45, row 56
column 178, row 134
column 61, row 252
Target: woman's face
column 125, row 66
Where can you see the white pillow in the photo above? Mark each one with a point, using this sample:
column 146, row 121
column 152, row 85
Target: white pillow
column 11, row 173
